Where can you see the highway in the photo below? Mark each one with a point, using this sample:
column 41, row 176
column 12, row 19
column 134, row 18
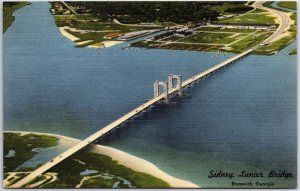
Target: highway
column 45, row 167
column 283, row 17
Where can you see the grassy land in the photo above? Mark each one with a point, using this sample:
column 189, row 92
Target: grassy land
column 69, row 170
column 230, row 8
column 281, row 43
column 209, row 29
column 294, row 51
column 203, row 37
column 109, row 26
column 172, row 46
column 190, row 47
column 95, row 31
column 288, row 4
column 269, row 4
column 213, row 35
column 99, row 182
column 88, row 22
column 219, row 29
column 258, row 11
column 93, row 37
column 23, row 146
column 171, row 38
column 15, row 179
column 250, row 41
column 93, row 42
column 251, row 19
column 88, row 36
column 8, row 9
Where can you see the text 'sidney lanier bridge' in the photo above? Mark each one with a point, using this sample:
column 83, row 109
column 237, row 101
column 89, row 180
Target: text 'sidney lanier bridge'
column 169, row 91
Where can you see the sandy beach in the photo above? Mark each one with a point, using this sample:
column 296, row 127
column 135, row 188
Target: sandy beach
column 66, row 34
column 106, row 44
column 123, row 158
column 73, row 38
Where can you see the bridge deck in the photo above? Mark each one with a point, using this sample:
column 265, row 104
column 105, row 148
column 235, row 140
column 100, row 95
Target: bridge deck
column 118, row 122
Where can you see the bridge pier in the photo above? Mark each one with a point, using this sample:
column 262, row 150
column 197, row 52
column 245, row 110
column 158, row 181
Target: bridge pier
column 178, row 81
column 158, row 84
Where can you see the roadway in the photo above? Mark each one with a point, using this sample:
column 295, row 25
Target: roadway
column 45, row 167
column 283, row 18
column 42, row 169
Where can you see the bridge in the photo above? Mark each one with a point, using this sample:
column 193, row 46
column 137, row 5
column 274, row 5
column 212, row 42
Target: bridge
column 168, row 92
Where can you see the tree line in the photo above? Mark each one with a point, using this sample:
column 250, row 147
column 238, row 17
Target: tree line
column 147, row 11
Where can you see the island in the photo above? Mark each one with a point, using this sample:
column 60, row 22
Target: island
column 200, row 26
column 94, row 167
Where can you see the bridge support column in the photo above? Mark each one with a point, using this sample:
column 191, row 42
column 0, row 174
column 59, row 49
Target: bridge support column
column 165, row 92
column 178, row 83
column 170, row 82
column 156, row 88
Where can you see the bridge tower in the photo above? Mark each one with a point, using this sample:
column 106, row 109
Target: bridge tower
column 178, row 83
column 165, row 87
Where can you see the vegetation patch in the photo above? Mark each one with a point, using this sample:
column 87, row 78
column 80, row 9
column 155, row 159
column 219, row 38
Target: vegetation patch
column 69, row 173
column 227, row 7
column 250, row 18
column 203, row 37
column 225, row 29
column 93, row 42
column 288, row 4
column 294, row 51
column 69, row 170
column 99, row 182
column 269, row 4
column 110, row 26
column 250, row 41
column 143, row 11
column 22, row 146
column 8, row 9
column 190, row 47
column 281, row 43
column 258, row 11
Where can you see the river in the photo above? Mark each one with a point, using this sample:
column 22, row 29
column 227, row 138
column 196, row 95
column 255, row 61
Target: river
column 241, row 118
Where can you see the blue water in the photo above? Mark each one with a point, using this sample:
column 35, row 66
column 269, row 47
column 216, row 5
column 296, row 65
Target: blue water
column 274, row 4
column 11, row 153
column 88, row 172
column 242, row 118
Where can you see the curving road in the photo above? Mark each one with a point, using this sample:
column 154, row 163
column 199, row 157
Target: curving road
column 283, row 18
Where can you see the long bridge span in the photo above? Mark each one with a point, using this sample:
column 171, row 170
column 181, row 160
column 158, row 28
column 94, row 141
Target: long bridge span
column 168, row 92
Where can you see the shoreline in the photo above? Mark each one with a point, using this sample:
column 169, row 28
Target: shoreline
column 73, row 38
column 123, row 158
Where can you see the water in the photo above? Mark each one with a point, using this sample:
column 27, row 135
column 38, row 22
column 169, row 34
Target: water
column 42, row 156
column 242, row 118
column 11, row 153
column 274, row 4
column 88, row 172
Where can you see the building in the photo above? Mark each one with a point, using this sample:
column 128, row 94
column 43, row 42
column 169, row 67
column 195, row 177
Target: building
column 244, row 26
